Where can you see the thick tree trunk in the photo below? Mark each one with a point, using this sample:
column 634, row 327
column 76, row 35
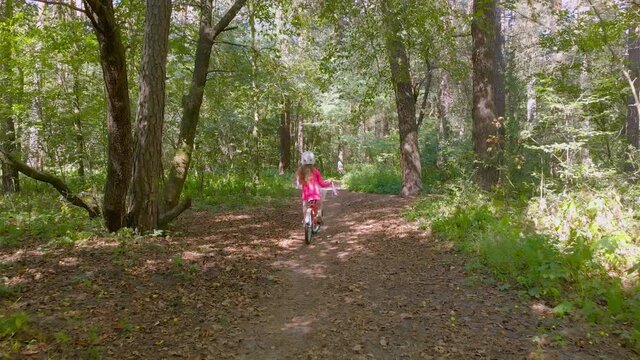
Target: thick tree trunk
column 147, row 156
column 114, row 70
column 8, row 138
column 92, row 208
column 192, row 102
column 633, row 125
column 486, row 125
column 405, row 103
column 285, row 137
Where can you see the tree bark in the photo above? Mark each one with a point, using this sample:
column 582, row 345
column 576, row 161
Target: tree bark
column 285, row 137
column 300, row 133
column 192, row 102
column 486, row 126
column 405, row 102
column 500, row 65
column 8, row 138
column 77, row 123
column 114, row 70
column 633, row 50
column 147, row 156
column 92, row 209
column 254, row 90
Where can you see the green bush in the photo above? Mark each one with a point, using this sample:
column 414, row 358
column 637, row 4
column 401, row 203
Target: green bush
column 45, row 217
column 377, row 179
column 575, row 262
column 233, row 190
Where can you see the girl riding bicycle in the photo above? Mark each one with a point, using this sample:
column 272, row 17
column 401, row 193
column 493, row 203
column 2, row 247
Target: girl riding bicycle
column 311, row 181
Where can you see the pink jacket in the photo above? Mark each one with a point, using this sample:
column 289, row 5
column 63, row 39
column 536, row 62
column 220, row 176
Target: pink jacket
column 311, row 190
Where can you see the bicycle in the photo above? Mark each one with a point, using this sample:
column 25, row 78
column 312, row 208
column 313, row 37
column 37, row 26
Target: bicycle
column 311, row 225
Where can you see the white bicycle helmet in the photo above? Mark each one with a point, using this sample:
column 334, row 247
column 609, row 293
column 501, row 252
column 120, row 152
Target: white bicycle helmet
column 308, row 158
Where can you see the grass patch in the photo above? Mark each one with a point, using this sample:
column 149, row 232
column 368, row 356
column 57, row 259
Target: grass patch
column 46, row 217
column 376, row 179
column 237, row 191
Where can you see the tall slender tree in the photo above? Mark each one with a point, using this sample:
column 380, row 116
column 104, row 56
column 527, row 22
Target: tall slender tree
column 114, row 71
column 633, row 57
column 192, row 102
column 487, row 127
column 285, row 136
column 405, row 100
column 147, row 156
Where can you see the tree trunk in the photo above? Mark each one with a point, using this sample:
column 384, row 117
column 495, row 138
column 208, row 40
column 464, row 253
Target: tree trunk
column 443, row 111
column 8, row 138
column 114, row 70
column 77, row 123
column 500, row 68
column 405, row 102
column 192, row 102
column 300, row 134
column 147, row 156
column 486, row 126
column 633, row 49
column 254, row 90
column 285, row 137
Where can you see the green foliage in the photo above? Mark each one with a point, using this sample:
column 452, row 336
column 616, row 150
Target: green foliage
column 46, row 217
column 12, row 323
column 573, row 252
column 238, row 190
column 378, row 179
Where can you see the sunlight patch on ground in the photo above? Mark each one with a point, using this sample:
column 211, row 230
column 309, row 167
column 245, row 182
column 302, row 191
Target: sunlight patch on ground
column 299, row 324
column 232, row 217
column 19, row 255
column 314, row 271
column 69, row 261
column 541, row 309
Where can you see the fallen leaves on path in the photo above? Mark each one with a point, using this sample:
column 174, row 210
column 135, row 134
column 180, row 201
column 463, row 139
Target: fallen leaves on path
column 242, row 285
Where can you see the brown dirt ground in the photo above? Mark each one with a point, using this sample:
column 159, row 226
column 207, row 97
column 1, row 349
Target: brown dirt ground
column 243, row 285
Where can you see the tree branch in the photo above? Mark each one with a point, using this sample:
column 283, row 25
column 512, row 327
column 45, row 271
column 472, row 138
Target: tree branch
column 170, row 215
column 232, row 44
column 221, row 26
column 61, row 3
column 229, row 28
column 63, row 189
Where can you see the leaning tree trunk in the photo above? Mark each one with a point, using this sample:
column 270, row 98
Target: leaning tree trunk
column 285, row 137
column 486, row 126
column 91, row 207
column 405, row 102
column 192, row 102
column 114, row 71
column 147, row 156
column 8, row 138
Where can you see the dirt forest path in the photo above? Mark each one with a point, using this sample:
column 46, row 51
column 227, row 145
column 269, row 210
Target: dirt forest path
column 243, row 285
column 372, row 286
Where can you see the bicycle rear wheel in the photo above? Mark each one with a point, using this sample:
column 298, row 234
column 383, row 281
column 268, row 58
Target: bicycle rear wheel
column 308, row 227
